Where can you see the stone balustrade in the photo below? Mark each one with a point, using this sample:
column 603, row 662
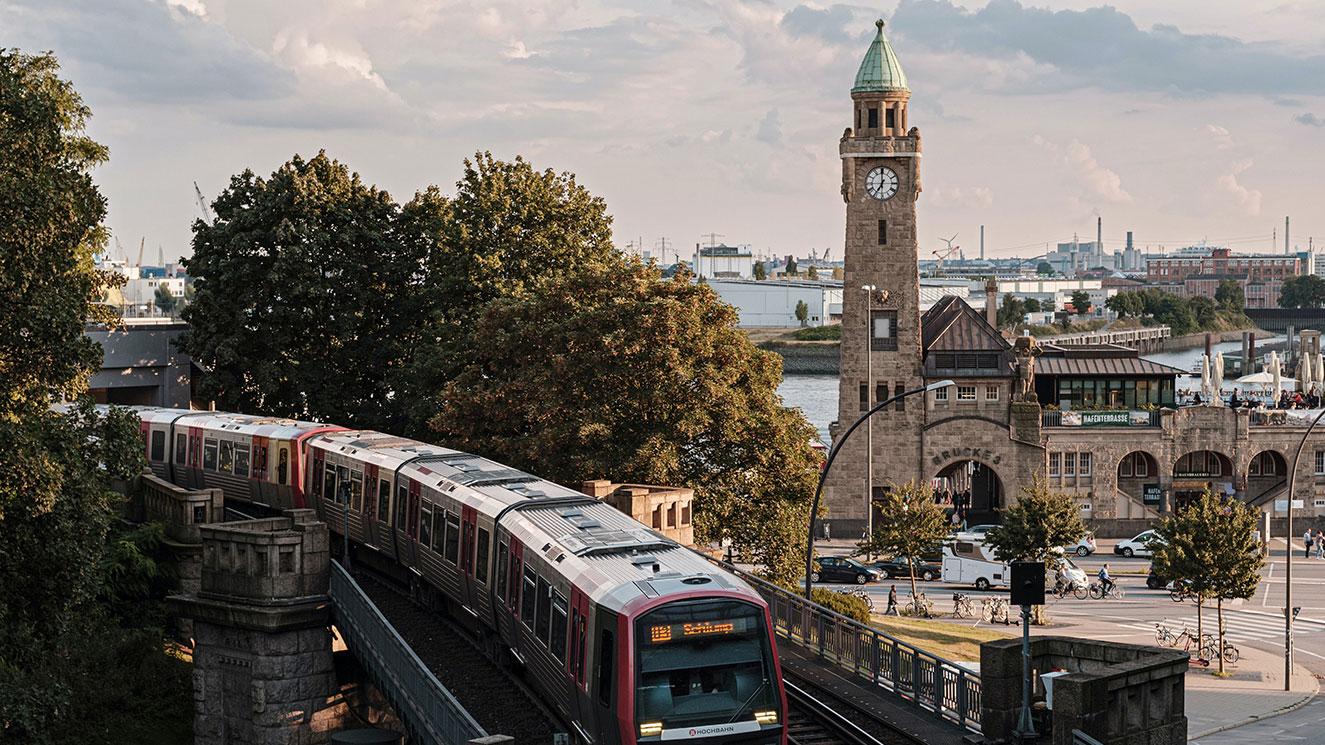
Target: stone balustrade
column 271, row 561
column 1119, row 694
column 182, row 511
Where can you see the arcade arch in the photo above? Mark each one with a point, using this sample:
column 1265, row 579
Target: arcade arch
column 1198, row 470
column 974, row 488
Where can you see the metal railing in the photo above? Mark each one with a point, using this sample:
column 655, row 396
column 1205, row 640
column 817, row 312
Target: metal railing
column 932, row 683
column 1081, row 738
column 424, row 705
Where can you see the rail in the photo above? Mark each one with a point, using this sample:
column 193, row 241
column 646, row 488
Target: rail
column 1081, row 738
column 936, row 685
column 829, row 717
column 424, row 705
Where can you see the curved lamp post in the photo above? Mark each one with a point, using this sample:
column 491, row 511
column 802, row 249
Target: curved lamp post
column 832, row 455
column 1288, row 560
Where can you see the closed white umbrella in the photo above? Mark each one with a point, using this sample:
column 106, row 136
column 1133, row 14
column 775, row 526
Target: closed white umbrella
column 1276, row 372
column 1219, row 378
column 1318, row 373
column 1205, row 378
column 1303, row 372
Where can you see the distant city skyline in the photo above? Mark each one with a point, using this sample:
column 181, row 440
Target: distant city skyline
column 1179, row 121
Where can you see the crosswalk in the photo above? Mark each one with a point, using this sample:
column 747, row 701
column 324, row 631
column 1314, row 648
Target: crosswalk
column 1239, row 625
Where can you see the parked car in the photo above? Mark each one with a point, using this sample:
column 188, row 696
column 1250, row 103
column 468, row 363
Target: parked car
column 974, row 533
column 1154, row 581
column 899, row 567
column 1083, row 547
column 1142, row 544
column 842, row 569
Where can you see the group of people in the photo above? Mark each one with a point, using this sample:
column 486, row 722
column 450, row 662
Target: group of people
column 1239, row 400
column 1298, row 401
column 1313, row 541
column 959, row 502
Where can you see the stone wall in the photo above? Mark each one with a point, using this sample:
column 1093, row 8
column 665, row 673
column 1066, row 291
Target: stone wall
column 1119, row 694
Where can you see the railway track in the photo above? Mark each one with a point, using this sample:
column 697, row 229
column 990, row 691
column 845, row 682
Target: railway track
column 816, row 719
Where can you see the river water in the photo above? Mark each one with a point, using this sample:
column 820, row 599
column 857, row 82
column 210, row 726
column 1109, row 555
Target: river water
column 816, row 395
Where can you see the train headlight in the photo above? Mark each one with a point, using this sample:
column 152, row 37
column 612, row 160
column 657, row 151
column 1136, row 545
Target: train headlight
column 766, row 717
column 650, row 729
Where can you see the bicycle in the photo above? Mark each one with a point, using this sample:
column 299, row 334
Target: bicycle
column 859, row 593
column 920, row 606
column 1165, row 637
column 1229, row 652
column 1097, row 592
column 1179, row 592
column 962, row 606
column 1076, row 589
column 994, row 610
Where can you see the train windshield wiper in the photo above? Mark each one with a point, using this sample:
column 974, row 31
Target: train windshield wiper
column 745, row 705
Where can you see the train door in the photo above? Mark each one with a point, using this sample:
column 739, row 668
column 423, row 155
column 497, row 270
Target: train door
column 576, row 660
column 604, row 691
column 194, row 480
column 468, row 522
column 315, row 483
column 258, row 474
column 385, row 535
column 514, row 571
column 369, row 516
column 412, row 524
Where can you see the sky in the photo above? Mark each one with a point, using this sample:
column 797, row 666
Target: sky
column 1183, row 121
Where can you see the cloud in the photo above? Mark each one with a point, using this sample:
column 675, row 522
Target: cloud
column 304, row 54
column 196, row 7
column 1092, row 178
column 978, row 197
column 1103, row 47
column 1223, row 140
column 770, row 128
column 1309, row 119
column 829, row 24
column 1248, row 199
column 516, row 50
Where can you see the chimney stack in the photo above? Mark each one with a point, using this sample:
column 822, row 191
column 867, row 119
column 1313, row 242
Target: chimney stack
column 991, row 301
column 982, row 243
column 1287, row 250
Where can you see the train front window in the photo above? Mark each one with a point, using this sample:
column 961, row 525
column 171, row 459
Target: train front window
column 703, row 662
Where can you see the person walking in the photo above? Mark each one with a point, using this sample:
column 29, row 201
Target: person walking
column 892, row 602
column 1320, row 545
column 1306, row 544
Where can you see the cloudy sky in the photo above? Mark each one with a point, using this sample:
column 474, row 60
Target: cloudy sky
column 1182, row 120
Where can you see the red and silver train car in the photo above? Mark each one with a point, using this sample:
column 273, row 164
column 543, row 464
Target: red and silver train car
column 630, row 637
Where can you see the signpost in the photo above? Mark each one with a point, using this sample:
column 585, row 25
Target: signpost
column 1027, row 590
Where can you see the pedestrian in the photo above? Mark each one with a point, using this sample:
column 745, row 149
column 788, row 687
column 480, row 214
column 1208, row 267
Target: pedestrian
column 892, row 602
column 1306, row 544
column 1320, row 545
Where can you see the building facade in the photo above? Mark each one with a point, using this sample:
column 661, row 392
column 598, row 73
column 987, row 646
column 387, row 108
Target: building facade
column 1098, row 423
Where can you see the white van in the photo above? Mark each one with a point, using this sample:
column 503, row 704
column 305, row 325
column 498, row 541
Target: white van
column 970, row 563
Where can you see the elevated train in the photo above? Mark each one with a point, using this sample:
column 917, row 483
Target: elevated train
column 628, row 636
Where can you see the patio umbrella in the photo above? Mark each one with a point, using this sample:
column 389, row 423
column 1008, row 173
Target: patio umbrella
column 1260, row 378
column 1303, row 372
column 1205, row 378
column 1276, row 373
column 1218, row 383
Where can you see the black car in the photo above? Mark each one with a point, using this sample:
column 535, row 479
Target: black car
column 840, row 569
column 898, row 567
column 1155, row 582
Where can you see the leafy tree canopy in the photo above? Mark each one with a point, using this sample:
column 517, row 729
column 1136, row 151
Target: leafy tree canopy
column 1040, row 521
column 1012, row 311
column 1306, row 291
column 910, row 524
column 802, row 311
column 615, row 373
column 1230, row 296
column 760, row 273
column 1081, row 302
column 1045, row 268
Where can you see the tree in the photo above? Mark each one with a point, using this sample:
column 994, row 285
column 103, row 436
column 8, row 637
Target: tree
column 812, row 273
column 1205, row 311
column 165, row 302
column 1211, row 547
column 307, row 298
column 1081, row 302
column 1044, row 268
column 56, row 511
column 791, row 266
column 760, row 273
column 802, row 311
column 1040, row 521
column 614, row 372
column 1032, row 305
column 1126, row 305
column 1011, row 312
column 909, row 524
column 1230, row 296
column 1305, row 291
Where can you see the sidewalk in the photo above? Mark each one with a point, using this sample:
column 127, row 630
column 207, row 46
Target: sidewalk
column 1255, row 691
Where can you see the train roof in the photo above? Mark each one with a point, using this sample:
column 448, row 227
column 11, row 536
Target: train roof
column 604, row 552
column 278, row 428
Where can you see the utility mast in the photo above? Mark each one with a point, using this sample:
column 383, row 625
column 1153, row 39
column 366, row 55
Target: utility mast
column 662, row 248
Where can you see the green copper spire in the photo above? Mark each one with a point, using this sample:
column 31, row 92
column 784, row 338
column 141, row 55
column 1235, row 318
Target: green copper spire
column 880, row 71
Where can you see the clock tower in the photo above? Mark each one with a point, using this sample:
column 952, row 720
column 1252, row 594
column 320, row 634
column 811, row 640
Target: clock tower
column 881, row 339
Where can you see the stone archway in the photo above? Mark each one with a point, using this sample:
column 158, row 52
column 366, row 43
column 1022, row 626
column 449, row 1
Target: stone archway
column 1267, row 473
column 1139, row 478
column 1198, row 470
column 976, row 490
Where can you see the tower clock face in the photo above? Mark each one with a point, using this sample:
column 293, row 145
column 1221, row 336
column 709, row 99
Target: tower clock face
column 881, row 183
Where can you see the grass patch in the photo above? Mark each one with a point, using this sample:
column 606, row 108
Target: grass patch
column 816, row 333
column 953, row 641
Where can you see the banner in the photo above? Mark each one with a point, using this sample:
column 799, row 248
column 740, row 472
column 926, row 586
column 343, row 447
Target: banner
column 1104, row 419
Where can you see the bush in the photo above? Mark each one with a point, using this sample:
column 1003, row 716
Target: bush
column 848, row 605
column 818, row 333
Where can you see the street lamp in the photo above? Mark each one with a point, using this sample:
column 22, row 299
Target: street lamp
column 1288, row 560
column 869, row 396
column 828, row 464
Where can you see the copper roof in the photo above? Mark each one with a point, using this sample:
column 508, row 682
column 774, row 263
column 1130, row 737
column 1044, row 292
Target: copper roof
column 1101, row 367
column 959, row 327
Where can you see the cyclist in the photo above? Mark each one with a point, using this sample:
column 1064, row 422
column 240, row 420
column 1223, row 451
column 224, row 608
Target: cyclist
column 1106, row 584
column 1063, row 582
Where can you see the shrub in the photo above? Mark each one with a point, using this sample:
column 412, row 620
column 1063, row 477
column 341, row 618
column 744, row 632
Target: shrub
column 848, row 605
column 818, row 333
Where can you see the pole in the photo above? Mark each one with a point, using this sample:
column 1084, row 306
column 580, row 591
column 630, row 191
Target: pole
column 869, row 424
column 828, row 464
column 1025, row 726
column 1288, row 560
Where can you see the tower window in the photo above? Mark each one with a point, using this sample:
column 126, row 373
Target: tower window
column 883, row 330
column 873, row 117
column 864, row 397
column 900, row 404
column 891, row 118
column 883, row 232
column 880, row 392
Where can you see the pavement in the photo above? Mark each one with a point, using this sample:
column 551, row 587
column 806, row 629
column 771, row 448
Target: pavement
column 1250, row 705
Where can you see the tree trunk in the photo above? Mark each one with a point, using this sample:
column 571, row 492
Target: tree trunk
column 911, row 564
column 1219, row 646
column 1199, row 602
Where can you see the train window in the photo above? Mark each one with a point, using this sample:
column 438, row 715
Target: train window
column 501, row 569
column 383, row 500
column 605, row 653
column 425, row 525
column 209, row 454
column 356, row 490
column 181, row 447
column 527, row 598
column 329, row 483
column 580, row 626
column 241, row 460
column 544, row 602
column 481, row 568
column 439, row 531
column 227, row 464
column 557, row 634
column 517, row 562
column 452, row 538
column 283, row 466
column 402, row 496
column 158, row 446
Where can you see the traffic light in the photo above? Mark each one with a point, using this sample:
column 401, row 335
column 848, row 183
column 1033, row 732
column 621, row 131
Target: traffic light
column 1028, row 583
